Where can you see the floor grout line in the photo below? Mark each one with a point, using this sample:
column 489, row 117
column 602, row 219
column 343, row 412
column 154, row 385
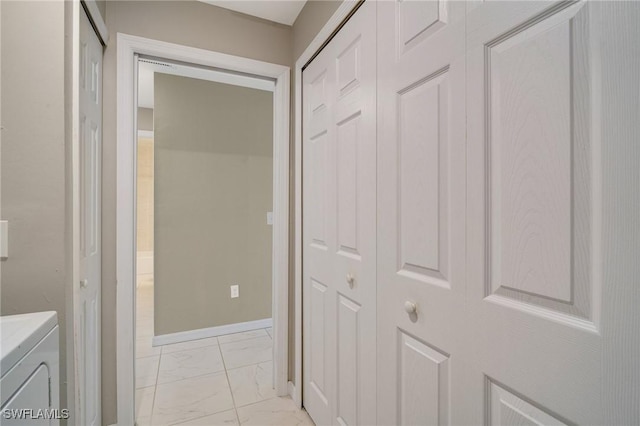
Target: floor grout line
column 243, row 340
column 224, row 364
column 233, row 399
column 201, row 417
column 249, row 365
column 155, row 389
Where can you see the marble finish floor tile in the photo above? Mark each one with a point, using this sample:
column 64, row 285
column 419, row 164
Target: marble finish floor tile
column 247, row 352
column 190, row 363
column 273, row 412
column 225, row 418
column 144, row 421
column 191, row 398
column 147, row 371
column 144, row 348
column 144, row 402
column 192, row 344
column 225, row 380
column 236, row 337
column 252, row 384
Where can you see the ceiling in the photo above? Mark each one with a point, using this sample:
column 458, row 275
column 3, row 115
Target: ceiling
column 281, row 11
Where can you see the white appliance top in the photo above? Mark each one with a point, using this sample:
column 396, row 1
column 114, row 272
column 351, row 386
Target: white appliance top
column 20, row 333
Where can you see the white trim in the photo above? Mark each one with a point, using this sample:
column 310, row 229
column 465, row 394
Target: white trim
column 334, row 22
column 292, row 393
column 208, row 74
column 96, row 19
column 145, row 134
column 128, row 47
column 203, row 333
column 74, row 347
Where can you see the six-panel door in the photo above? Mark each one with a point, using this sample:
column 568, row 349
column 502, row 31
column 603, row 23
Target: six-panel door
column 421, row 221
column 89, row 338
column 551, row 337
column 339, row 220
column 506, row 178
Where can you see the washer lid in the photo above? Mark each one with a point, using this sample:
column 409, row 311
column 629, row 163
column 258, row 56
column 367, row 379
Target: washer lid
column 20, row 333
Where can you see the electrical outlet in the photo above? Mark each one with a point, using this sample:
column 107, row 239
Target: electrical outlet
column 235, row 291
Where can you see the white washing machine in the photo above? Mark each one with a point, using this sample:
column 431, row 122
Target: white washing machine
column 29, row 380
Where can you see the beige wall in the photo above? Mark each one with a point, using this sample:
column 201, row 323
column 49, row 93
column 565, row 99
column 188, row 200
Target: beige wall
column 34, row 277
column 213, row 189
column 313, row 16
column 37, row 230
column 144, row 194
column 189, row 23
column 102, row 7
column 145, row 119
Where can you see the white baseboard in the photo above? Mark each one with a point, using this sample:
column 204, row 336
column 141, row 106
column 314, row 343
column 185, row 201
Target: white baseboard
column 203, row 333
column 292, row 393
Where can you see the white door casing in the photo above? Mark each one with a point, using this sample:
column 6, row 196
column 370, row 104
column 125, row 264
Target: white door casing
column 553, row 334
column 90, row 155
column 128, row 47
column 421, row 205
column 339, row 220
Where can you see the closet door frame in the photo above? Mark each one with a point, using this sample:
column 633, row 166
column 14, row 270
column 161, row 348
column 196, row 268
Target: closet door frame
column 337, row 20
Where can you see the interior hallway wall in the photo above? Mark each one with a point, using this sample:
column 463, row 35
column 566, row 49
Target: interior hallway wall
column 213, row 189
column 102, row 8
column 145, row 119
column 188, row 23
column 34, row 197
column 313, row 16
column 144, row 194
column 145, row 197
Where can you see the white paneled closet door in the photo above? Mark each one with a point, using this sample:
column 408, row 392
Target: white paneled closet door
column 421, row 212
column 339, row 226
column 553, row 107
column 90, row 140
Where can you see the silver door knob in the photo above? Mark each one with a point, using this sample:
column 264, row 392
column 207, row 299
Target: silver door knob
column 410, row 307
column 84, row 283
column 351, row 280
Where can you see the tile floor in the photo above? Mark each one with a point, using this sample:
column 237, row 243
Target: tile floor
column 223, row 380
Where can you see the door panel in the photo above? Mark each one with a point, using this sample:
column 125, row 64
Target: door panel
column 347, row 366
column 422, row 180
column 536, row 150
column 539, row 145
column 508, row 408
column 318, row 354
column 421, row 223
column 317, row 262
column 506, row 231
column 89, row 344
column 423, row 383
column 339, row 226
column 347, row 186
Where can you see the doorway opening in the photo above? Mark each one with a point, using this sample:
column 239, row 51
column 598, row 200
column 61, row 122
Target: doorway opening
column 200, row 219
column 204, row 215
